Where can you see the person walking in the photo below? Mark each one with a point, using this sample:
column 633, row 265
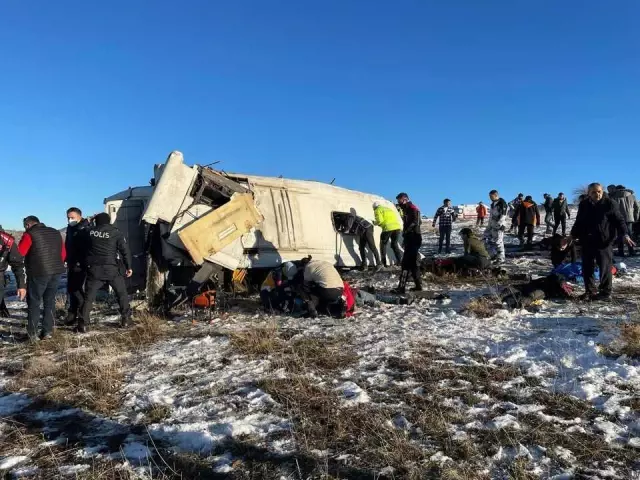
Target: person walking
column 481, row 211
column 76, row 241
column 494, row 234
column 597, row 226
column 548, row 214
column 10, row 257
column 106, row 246
column 390, row 222
column 561, row 213
column 628, row 206
column 528, row 219
column 44, row 255
column 447, row 216
column 412, row 221
column 362, row 229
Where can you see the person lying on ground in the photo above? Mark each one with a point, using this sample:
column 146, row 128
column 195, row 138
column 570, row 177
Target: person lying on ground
column 276, row 293
column 550, row 287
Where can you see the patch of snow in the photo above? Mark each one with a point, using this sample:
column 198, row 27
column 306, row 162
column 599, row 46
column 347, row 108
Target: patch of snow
column 136, row 452
column 504, row 421
column 13, row 403
column 68, row 470
column 9, row 462
column 352, row 394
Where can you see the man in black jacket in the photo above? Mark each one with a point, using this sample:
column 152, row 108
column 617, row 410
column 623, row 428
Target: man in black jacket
column 76, row 242
column 362, row 229
column 548, row 213
column 105, row 244
column 597, row 226
column 412, row 235
column 44, row 255
column 561, row 213
column 10, row 256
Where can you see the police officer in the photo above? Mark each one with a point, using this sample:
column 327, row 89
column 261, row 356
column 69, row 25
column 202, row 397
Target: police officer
column 76, row 245
column 105, row 243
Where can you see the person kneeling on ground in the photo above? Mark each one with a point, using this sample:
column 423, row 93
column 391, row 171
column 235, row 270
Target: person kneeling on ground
column 276, row 291
column 105, row 243
column 322, row 289
column 475, row 253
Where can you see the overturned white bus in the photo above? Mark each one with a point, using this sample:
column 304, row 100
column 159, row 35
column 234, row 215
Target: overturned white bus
column 194, row 222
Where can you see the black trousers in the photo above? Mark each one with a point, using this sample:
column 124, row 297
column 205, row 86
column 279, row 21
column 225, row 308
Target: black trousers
column 603, row 258
column 480, row 222
column 41, row 290
column 384, row 238
column 97, row 277
column 621, row 241
column 367, row 240
column 529, row 229
column 4, row 311
column 560, row 219
column 445, row 232
column 75, row 289
column 321, row 297
column 412, row 244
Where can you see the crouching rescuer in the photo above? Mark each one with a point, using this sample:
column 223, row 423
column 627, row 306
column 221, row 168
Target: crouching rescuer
column 475, row 255
column 105, row 244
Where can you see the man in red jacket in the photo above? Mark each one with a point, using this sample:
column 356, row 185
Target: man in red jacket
column 9, row 256
column 44, row 255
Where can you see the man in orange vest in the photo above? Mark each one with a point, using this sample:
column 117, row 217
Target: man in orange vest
column 481, row 210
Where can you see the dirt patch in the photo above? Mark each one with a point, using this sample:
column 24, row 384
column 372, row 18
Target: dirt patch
column 481, row 307
column 627, row 342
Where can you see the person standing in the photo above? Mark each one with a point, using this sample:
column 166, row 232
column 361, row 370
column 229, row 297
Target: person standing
column 105, row 247
column 494, row 234
column 362, row 229
column 10, row 257
column 528, row 219
column 597, row 225
column 412, row 221
column 515, row 204
column 481, row 211
column 561, row 213
column 548, row 214
column 389, row 221
column 76, row 245
column 44, row 255
column 447, row 216
column 628, row 206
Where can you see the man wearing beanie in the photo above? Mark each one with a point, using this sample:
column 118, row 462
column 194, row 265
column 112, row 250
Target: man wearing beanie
column 105, row 245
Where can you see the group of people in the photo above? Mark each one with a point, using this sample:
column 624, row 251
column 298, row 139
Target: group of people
column 92, row 254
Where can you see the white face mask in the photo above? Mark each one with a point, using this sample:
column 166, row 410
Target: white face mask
column 73, row 223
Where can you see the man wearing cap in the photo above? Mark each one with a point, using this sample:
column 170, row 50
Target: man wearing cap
column 412, row 234
column 389, row 221
column 106, row 245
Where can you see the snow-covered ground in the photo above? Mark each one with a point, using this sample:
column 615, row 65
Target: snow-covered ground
column 519, row 393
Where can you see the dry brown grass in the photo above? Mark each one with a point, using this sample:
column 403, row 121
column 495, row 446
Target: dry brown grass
column 364, row 431
column 16, row 439
column 295, row 355
column 481, row 307
column 83, row 371
column 627, row 342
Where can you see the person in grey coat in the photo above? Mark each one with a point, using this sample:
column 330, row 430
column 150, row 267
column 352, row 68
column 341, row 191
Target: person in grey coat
column 628, row 205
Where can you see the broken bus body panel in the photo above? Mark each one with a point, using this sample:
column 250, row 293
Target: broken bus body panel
column 242, row 221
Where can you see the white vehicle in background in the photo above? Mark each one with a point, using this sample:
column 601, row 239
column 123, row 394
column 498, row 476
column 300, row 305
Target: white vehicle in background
column 194, row 222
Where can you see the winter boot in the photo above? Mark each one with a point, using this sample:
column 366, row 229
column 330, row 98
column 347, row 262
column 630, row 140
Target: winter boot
column 126, row 321
column 80, row 327
column 71, row 319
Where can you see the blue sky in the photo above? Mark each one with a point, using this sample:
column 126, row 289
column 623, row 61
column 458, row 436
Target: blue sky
column 434, row 98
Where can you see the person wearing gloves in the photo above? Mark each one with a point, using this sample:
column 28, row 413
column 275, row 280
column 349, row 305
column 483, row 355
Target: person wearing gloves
column 387, row 219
